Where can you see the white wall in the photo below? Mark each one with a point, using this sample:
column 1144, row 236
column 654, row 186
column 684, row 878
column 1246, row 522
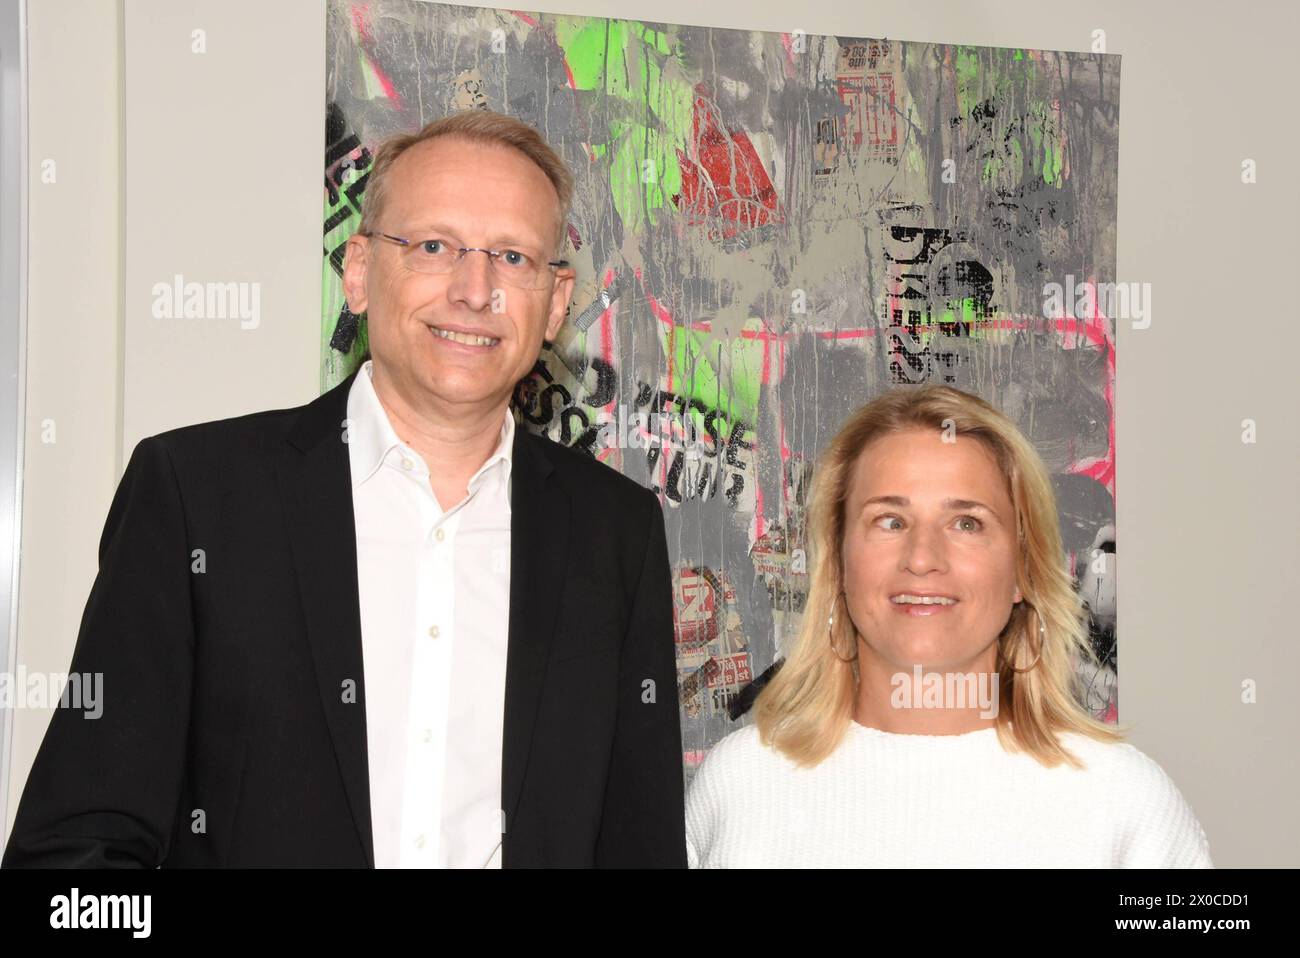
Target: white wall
column 74, row 340
column 224, row 178
column 222, row 181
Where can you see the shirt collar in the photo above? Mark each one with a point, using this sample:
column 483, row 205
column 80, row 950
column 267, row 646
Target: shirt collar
column 502, row 458
column 371, row 436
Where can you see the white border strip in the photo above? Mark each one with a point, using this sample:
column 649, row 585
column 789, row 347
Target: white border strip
column 13, row 333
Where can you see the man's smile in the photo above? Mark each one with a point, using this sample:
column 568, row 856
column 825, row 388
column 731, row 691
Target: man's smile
column 463, row 337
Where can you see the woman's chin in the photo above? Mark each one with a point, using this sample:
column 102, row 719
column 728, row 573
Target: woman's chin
column 928, row 657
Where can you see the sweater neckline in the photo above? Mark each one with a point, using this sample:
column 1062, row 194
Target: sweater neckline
column 904, row 738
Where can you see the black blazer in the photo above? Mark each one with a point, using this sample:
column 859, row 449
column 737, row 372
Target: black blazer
column 225, row 737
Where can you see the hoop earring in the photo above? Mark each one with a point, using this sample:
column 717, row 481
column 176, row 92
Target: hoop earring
column 830, row 635
column 1042, row 637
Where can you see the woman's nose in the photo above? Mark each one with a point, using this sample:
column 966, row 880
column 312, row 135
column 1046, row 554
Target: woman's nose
column 924, row 551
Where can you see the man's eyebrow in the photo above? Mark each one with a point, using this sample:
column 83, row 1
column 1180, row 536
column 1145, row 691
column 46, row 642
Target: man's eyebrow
column 903, row 501
column 504, row 239
column 422, row 228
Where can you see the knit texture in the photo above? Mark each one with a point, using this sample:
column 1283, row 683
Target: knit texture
column 959, row 801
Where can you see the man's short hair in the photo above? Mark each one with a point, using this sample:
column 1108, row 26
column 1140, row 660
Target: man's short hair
column 474, row 126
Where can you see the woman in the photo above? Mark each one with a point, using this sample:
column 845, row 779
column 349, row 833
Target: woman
column 928, row 713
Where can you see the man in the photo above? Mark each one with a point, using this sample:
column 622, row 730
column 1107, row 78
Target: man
column 387, row 628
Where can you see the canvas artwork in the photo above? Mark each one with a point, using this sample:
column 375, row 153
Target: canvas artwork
column 771, row 229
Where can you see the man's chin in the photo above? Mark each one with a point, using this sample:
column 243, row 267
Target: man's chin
column 448, row 384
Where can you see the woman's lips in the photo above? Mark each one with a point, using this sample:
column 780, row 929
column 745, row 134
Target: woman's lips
column 922, row 610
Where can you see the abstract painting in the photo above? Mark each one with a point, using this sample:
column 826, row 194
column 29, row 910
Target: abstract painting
column 770, row 230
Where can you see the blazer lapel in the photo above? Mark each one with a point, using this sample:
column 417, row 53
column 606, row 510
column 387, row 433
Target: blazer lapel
column 316, row 490
column 539, row 543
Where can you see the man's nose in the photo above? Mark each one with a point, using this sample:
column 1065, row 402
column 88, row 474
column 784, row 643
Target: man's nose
column 472, row 280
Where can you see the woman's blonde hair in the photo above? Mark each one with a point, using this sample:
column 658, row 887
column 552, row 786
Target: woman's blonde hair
column 806, row 708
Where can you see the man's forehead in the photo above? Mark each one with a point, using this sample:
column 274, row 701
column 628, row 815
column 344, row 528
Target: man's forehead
column 425, row 163
column 459, row 216
column 421, row 200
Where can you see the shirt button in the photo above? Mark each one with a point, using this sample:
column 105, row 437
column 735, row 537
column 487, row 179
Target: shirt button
column 419, row 842
column 440, row 535
column 433, row 632
column 408, row 465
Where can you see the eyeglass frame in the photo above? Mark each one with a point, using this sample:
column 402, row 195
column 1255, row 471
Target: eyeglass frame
column 494, row 255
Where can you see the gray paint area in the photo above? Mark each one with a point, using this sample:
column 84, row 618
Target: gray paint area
column 771, row 230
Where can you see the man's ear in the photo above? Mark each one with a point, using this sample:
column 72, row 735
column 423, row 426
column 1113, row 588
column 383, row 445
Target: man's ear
column 560, row 296
column 355, row 261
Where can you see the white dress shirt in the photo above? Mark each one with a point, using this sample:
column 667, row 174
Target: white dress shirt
column 434, row 589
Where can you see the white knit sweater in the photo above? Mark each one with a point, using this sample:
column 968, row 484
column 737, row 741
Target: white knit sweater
column 899, row 801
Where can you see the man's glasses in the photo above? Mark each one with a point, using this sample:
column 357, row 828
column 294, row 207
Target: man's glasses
column 518, row 268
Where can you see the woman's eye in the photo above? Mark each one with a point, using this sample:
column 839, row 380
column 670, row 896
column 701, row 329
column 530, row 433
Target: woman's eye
column 976, row 527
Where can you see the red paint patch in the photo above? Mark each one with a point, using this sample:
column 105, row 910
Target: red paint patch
column 725, row 180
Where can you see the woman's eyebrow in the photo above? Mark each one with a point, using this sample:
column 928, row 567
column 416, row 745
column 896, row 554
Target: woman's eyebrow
column 946, row 504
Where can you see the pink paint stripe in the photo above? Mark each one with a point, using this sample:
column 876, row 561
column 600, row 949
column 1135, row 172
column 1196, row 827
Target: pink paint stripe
column 1096, row 332
column 360, row 20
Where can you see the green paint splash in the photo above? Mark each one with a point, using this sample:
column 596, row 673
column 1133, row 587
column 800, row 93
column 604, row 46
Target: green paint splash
column 693, row 355
column 650, row 109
